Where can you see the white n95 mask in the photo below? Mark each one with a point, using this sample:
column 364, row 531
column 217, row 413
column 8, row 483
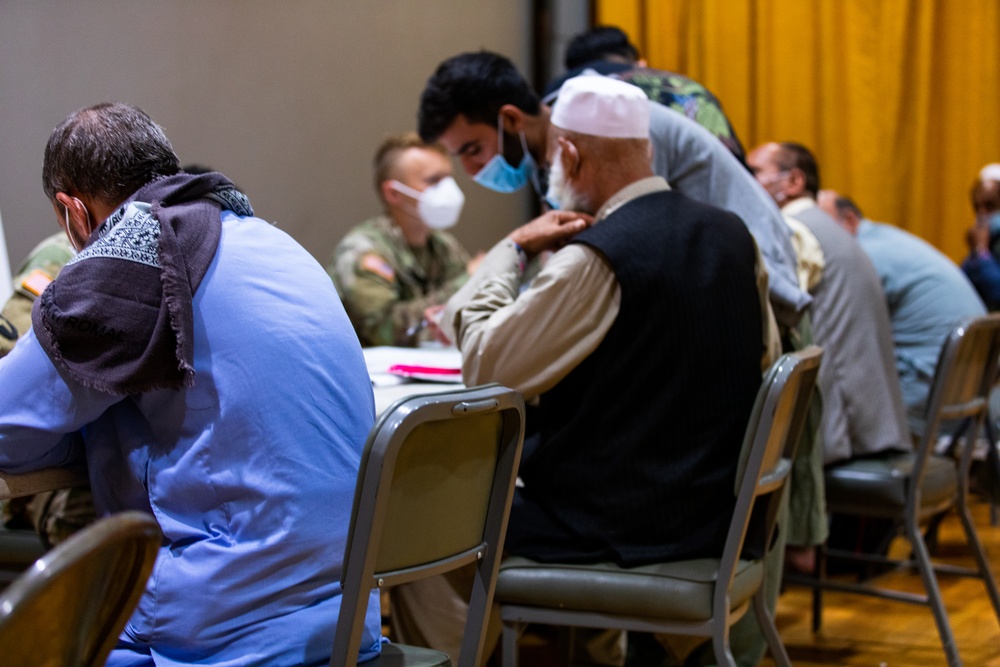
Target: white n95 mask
column 439, row 205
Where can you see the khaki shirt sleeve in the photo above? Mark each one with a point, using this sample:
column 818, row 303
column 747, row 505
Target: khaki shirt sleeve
column 531, row 340
column 770, row 333
column 808, row 253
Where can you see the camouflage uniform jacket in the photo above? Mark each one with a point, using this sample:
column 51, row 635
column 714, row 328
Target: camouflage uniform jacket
column 386, row 284
column 41, row 267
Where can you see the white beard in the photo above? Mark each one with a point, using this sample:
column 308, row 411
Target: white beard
column 560, row 192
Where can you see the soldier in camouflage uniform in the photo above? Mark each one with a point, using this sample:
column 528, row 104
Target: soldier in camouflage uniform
column 391, row 269
column 57, row 514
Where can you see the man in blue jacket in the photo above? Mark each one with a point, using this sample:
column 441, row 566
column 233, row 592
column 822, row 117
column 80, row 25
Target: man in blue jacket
column 198, row 360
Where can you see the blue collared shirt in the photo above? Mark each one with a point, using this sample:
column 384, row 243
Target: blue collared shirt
column 250, row 473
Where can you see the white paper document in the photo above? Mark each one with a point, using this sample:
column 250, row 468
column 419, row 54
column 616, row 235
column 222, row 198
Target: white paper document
column 392, row 365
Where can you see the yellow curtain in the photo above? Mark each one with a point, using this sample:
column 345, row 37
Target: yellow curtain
column 898, row 99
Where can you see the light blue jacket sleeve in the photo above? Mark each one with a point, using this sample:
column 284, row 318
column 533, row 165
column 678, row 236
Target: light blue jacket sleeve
column 41, row 411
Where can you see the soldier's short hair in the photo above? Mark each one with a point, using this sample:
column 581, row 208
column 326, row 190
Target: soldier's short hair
column 389, row 151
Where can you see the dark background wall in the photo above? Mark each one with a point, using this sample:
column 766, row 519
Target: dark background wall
column 289, row 98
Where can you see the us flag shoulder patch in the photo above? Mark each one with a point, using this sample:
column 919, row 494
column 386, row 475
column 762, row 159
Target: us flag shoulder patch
column 375, row 264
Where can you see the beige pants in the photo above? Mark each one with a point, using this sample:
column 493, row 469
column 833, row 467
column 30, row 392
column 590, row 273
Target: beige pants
column 432, row 612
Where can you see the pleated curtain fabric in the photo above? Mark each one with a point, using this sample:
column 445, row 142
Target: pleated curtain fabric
column 898, row 99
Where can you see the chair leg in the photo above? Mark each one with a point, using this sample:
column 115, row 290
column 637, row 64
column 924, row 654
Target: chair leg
column 982, row 562
column 720, row 646
column 923, row 560
column 766, row 623
column 508, row 642
column 817, row 592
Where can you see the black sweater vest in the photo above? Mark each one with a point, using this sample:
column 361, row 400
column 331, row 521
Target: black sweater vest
column 637, row 447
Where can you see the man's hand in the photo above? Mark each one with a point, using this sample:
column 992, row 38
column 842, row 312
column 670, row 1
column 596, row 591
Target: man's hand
column 978, row 238
column 433, row 315
column 550, row 231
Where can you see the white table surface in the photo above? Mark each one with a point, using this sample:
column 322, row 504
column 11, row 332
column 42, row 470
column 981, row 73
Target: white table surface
column 389, row 388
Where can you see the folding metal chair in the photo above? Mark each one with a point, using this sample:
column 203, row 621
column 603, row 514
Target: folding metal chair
column 915, row 489
column 702, row 597
column 70, row 606
column 434, row 493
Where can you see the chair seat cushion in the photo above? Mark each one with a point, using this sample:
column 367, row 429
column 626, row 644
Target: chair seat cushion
column 680, row 590
column 877, row 486
column 401, row 655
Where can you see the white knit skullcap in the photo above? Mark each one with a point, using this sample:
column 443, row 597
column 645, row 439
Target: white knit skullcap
column 990, row 172
column 603, row 107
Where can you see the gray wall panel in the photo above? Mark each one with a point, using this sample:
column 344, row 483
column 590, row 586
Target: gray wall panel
column 289, row 98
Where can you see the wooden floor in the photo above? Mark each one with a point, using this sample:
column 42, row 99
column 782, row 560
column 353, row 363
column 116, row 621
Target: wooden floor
column 861, row 630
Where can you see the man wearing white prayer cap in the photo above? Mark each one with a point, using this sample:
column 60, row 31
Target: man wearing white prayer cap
column 641, row 289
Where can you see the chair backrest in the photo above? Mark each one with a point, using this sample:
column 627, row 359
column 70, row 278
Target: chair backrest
column 434, row 493
column 966, row 370
column 70, row 607
column 769, row 445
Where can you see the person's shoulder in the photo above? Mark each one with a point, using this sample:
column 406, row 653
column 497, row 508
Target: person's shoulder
column 889, row 239
column 367, row 250
column 672, row 131
column 449, row 242
column 372, row 235
column 699, row 209
column 659, row 81
column 53, row 250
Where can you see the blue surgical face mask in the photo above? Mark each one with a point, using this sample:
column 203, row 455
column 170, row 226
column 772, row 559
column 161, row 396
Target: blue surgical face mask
column 499, row 176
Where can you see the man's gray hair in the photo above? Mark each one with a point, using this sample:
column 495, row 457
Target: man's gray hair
column 107, row 151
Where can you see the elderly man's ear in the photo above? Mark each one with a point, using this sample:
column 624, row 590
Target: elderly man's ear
column 570, row 156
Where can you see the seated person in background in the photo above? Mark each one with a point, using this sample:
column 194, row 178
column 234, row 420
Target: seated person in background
column 198, row 360
column 54, row 514
column 391, row 269
column 862, row 404
column 926, row 292
column 982, row 265
column 607, row 50
column 604, row 328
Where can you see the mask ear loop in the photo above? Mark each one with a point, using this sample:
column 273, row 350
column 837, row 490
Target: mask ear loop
column 406, row 190
column 535, row 183
column 500, row 134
